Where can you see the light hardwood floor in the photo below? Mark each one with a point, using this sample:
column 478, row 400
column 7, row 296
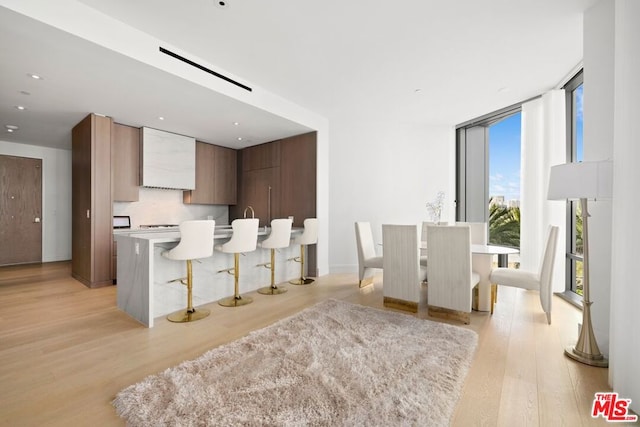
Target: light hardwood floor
column 66, row 350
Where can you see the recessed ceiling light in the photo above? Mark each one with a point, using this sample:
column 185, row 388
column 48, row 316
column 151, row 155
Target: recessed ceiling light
column 11, row 128
column 24, row 92
column 160, row 118
column 20, row 107
column 35, row 76
column 239, row 138
column 222, row 4
column 236, row 123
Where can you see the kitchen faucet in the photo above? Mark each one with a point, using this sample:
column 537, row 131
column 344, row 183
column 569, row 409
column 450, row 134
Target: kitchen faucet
column 252, row 212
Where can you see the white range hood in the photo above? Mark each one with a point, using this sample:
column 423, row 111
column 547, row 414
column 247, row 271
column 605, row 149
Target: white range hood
column 168, row 160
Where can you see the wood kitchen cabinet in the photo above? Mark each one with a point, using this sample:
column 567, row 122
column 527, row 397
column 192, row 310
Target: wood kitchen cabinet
column 216, row 176
column 261, row 156
column 298, row 177
column 259, row 182
column 125, row 160
column 91, row 204
column 285, row 169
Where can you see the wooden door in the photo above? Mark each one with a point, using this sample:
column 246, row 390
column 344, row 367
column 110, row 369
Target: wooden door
column 20, row 210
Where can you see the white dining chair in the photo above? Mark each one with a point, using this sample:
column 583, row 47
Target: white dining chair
column 368, row 260
column 479, row 231
column 480, row 263
column 403, row 274
column 531, row 280
column 450, row 276
column 423, row 242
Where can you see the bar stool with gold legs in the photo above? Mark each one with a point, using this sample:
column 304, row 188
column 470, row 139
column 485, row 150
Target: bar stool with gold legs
column 279, row 238
column 243, row 239
column 196, row 241
column 308, row 237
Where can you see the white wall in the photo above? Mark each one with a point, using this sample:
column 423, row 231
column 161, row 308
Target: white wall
column 598, row 145
column 56, row 197
column 384, row 172
column 624, row 372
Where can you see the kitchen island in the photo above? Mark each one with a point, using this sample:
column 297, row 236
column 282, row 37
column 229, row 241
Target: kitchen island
column 145, row 290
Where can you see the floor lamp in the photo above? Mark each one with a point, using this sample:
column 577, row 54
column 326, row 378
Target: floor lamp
column 583, row 181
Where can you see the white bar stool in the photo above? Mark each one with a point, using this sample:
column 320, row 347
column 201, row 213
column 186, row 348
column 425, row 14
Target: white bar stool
column 308, row 237
column 279, row 238
column 243, row 239
column 196, row 241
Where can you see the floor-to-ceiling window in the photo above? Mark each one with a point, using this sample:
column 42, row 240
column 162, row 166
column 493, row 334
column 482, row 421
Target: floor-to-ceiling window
column 488, row 168
column 574, row 250
column 504, row 181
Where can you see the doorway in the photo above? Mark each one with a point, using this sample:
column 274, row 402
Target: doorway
column 20, row 210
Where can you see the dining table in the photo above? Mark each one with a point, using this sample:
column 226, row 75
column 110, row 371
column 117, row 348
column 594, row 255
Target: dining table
column 482, row 263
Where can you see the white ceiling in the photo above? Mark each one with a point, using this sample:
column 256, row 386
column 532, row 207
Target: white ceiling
column 418, row 61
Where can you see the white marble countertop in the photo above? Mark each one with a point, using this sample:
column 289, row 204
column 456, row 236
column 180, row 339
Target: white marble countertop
column 173, row 233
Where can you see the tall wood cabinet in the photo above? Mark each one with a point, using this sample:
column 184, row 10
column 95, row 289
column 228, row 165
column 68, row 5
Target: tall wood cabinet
column 215, row 176
column 298, row 177
column 278, row 179
column 91, row 204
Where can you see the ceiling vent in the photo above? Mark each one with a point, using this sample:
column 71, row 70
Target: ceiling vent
column 203, row 68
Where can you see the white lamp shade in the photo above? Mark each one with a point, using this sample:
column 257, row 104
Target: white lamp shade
column 584, row 180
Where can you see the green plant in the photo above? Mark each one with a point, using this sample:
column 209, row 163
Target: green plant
column 504, row 225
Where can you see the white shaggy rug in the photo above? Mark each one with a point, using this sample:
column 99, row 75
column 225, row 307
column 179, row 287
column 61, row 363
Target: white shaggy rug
column 332, row 364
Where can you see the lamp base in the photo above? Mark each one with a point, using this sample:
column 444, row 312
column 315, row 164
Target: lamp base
column 599, row 361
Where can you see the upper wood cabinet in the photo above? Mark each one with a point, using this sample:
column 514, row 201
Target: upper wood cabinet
column 261, row 156
column 91, row 205
column 216, row 176
column 125, row 161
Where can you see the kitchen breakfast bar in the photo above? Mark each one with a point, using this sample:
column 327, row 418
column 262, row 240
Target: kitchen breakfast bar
column 144, row 276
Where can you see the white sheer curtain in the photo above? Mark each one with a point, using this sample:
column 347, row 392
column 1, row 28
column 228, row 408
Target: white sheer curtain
column 543, row 145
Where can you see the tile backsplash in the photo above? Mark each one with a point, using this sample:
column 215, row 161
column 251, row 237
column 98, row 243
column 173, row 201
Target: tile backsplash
column 160, row 206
